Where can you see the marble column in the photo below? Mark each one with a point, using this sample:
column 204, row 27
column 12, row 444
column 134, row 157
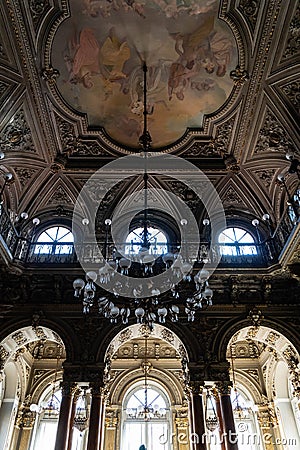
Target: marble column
column 95, row 417
column 230, row 435
column 72, row 416
column 198, row 436
column 220, row 419
column 63, row 428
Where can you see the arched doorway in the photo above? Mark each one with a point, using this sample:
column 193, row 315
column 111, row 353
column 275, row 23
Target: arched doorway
column 265, row 375
column 31, row 372
column 143, row 362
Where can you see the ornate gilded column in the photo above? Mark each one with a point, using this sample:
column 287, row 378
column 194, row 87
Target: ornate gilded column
column 230, row 435
column 72, row 416
column 268, row 425
column 63, row 428
column 111, row 424
column 182, row 429
column 198, row 435
column 95, row 428
column 24, row 422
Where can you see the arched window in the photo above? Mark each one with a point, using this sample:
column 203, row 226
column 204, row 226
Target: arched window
column 156, row 238
column 47, row 421
column 296, row 201
column 236, row 241
column 147, row 424
column 245, row 420
column 55, row 241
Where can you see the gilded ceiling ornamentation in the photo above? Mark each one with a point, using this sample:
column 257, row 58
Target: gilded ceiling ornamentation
column 232, row 197
column 266, row 176
column 188, row 50
column 24, row 174
column 73, row 144
column 17, row 135
column 19, row 338
column 293, row 40
column 273, row 137
column 201, row 149
column 250, row 10
column 38, row 9
column 292, row 91
column 272, row 337
column 60, row 196
column 253, row 373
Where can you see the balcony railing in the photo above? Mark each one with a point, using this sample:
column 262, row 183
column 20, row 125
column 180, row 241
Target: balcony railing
column 26, row 252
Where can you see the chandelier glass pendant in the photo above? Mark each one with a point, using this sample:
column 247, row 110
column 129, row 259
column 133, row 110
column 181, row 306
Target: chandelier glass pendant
column 184, row 287
column 81, row 419
column 211, row 418
column 147, row 409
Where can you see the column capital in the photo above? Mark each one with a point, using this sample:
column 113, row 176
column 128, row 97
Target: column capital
column 196, row 387
column 224, row 387
column 68, row 388
column 25, row 418
column 97, row 388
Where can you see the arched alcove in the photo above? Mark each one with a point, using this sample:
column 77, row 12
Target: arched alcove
column 264, row 364
column 32, row 366
column 131, row 353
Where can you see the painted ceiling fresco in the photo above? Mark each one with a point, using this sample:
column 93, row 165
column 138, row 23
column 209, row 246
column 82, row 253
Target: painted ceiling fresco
column 99, row 52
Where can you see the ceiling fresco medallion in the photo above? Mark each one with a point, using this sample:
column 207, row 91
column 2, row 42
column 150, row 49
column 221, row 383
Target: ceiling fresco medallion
column 99, row 52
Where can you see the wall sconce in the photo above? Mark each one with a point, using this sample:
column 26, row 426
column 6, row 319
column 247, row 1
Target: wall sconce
column 291, row 202
column 295, row 163
column 8, row 178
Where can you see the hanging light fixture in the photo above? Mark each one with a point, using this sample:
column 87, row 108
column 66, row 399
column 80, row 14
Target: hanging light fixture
column 50, row 409
column 146, row 411
column 196, row 294
column 81, row 419
column 239, row 411
column 211, row 418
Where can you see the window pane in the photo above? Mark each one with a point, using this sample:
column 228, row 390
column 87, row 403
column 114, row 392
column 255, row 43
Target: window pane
column 156, row 238
column 50, row 242
column 232, row 240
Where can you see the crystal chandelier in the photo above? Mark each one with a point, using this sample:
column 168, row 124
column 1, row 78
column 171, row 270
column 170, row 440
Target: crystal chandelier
column 183, row 287
column 50, row 409
column 239, row 411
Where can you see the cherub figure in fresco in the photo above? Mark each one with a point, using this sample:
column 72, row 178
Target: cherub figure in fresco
column 216, row 53
column 113, row 54
column 190, row 47
column 221, row 48
column 179, row 80
column 85, row 61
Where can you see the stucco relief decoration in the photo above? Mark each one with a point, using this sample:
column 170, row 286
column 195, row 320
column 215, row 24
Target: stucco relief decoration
column 273, row 137
column 17, row 135
column 293, row 41
column 189, row 53
column 250, row 10
column 292, row 91
column 125, row 336
column 19, row 338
